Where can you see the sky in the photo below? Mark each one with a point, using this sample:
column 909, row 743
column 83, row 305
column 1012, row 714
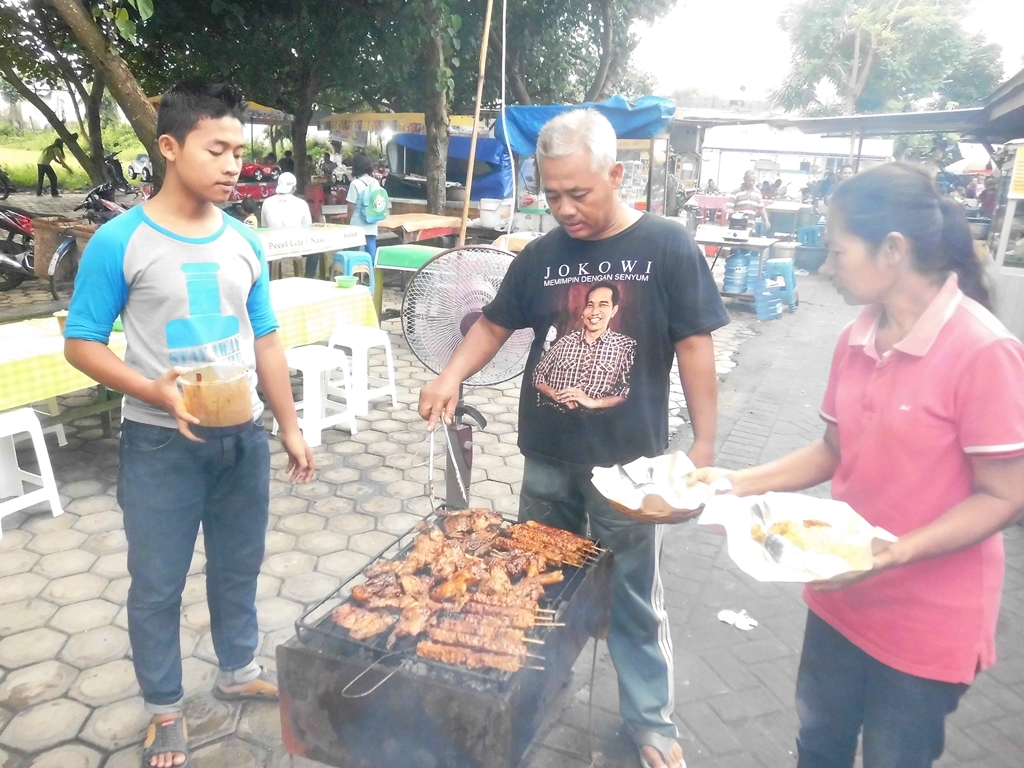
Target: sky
column 735, row 49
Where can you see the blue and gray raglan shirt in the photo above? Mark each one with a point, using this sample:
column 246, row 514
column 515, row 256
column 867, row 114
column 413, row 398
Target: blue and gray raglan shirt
column 183, row 301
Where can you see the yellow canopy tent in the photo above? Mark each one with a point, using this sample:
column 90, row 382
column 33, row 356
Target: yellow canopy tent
column 255, row 114
column 354, row 126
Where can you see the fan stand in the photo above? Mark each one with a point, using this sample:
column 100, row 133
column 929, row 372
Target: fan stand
column 461, row 435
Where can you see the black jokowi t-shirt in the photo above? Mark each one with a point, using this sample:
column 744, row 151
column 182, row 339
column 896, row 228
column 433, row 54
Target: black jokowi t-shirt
column 606, row 315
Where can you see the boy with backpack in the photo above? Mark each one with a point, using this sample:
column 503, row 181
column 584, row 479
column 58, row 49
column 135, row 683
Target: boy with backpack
column 191, row 286
column 367, row 201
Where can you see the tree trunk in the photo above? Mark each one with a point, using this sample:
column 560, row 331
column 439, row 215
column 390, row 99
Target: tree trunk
column 119, row 79
column 55, row 122
column 516, row 81
column 435, row 116
column 92, row 116
column 601, row 76
column 303, row 117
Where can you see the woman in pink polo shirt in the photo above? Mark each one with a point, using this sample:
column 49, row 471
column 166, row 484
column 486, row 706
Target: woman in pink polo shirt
column 925, row 438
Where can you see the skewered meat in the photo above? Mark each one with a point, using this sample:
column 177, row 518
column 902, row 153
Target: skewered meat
column 513, row 599
column 413, row 621
column 361, row 623
column 495, row 631
column 516, row 617
column 466, row 640
column 558, row 533
column 554, row 558
column 454, row 655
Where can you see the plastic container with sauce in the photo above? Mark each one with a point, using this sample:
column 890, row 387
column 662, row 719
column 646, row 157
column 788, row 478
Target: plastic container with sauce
column 218, row 395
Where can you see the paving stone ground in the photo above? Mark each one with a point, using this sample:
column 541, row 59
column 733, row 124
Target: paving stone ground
column 68, row 698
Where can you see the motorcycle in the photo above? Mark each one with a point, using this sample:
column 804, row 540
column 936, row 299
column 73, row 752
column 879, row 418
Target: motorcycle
column 116, row 171
column 17, row 252
column 99, row 207
column 6, row 187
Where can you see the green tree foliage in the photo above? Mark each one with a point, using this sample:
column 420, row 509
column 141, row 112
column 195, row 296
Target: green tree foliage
column 884, row 56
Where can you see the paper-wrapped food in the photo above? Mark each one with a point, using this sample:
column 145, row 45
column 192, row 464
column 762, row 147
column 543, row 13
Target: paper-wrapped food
column 653, row 489
column 795, row 538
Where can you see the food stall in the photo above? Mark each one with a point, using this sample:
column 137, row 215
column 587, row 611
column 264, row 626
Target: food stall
column 1006, row 241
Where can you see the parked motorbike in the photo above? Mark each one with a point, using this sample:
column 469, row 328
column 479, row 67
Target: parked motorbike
column 6, row 187
column 16, row 247
column 116, row 171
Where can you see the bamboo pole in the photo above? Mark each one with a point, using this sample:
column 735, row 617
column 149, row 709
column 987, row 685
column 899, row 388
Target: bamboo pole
column 476, row 120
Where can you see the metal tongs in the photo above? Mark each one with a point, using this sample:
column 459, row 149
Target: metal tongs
column 451, row 462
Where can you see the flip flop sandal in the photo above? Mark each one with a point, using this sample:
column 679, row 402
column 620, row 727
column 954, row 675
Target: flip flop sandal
column 262, row 688
column 171, row 736
column 646, row 738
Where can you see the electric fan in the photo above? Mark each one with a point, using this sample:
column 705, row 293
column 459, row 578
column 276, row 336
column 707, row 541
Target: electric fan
column 444, row 298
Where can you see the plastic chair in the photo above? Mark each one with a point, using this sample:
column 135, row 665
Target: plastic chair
column 783, row 268
column 359, row 340
column 316, row 363
column 810, row 235
column 13, row 476
column 350, row 261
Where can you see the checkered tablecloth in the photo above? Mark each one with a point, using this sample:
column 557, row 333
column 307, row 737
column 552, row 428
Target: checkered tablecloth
column 33, row 368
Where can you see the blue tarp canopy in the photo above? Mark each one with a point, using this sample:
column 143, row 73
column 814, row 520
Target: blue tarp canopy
column 497, row 184
column 648, row 117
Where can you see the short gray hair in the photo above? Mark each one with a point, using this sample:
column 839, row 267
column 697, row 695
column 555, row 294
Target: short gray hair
column 580, row 129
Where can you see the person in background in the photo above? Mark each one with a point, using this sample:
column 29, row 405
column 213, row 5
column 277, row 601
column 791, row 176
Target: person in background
column 54, row 152
column 287, row 163
column 327, row 166
column 249, row 209
column 363, row 183
column 162, row 266
column 846, row 172
column 748, row 200
column 989, row 197
column 711, row 188
column 924, row 437
column 776, row 189
column 270, row 159
column 284, row 209
column 766, row 189
column 828, row 181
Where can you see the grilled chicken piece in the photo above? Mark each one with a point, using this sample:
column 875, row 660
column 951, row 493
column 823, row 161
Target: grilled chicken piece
column 383, row 567
column 384, row 585
column 449, row 654
column 361, row 623
column 456, row 587
column 413, row 621
column 496, row 583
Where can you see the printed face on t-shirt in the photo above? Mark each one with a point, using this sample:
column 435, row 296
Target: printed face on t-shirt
column 598, row 312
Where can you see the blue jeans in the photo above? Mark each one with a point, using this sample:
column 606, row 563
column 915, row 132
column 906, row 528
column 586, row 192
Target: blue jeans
column 168, row 485
column 841, row 690
column 638, row 636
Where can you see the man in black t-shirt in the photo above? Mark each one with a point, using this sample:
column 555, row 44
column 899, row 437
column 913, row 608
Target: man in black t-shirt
column 612, row 296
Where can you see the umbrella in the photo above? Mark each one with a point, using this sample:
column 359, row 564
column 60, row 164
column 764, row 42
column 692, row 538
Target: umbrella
column 969, row 167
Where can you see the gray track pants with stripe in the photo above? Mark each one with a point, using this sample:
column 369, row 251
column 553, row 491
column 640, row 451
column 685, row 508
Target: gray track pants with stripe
column 638, row 638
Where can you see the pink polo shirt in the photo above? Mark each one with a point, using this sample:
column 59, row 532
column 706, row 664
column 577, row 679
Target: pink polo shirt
column 909, row 423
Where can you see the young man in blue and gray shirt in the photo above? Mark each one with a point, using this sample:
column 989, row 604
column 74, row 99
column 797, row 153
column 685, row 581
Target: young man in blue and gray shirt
column 191, row 287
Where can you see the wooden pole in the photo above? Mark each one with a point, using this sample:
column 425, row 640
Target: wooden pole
column 476, row 121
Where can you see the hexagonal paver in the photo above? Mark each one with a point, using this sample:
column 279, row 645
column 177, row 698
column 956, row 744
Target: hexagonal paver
column 358, row 490
column 209, row 719
column 322, row 542
column 287, row 505
column 289, row 564
column 99, row 522
column 335, row 505
column 97, row 646
column 379, row 506
column 489, row 489
column 260, row 722
column 370, row 543
column 43, row 521
column 267, row 586
column 117, row 590
column 57, row 541
column 501, row 449
column 64, row 563
column 341, row 564
column 278, row 542
column 309, row 587
column 504, row 474
column 116, row 725
column 369, row 436
column 68, row 756
column 276, row 612
column 403, row 489
column 80, row 488
column 231, row 753
column 24, row 614
column 339, row 475
column 346, row 448
column 419, row 506
column 364, row 461
column 301, row 523
column 195, row 589
column 107, row 543
column 74, row 589
column 14, row 539
column 351, row 523
column 113, row 566
column 399, row 523
column 33, row 685
column 387, row 448
column 89, row 505
column 30, row 647
column 197, row 676
column 106, row 683
column 196, row 617
column 22, row 586
column 84, row 616
column 383, row 475
column 487, row 461
column 44, row 725
column 17, row 561
column 314, row 490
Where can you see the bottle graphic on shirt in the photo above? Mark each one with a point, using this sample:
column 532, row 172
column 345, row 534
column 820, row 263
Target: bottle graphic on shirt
column 205, row 335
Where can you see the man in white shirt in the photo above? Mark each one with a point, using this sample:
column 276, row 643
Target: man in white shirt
column 286, row 210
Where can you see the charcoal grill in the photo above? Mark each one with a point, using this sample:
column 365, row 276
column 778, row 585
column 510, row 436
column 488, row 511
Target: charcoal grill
column 358, row 704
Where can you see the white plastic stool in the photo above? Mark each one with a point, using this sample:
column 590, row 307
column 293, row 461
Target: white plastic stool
column 359, row 340
column 12, row 476
column 319, row 412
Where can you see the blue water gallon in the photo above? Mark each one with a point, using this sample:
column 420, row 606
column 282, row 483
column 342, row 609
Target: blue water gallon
column 753, row 269
column 768, row 299
column 736, row 274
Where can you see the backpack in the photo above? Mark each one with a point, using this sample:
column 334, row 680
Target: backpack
column 373, row 203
